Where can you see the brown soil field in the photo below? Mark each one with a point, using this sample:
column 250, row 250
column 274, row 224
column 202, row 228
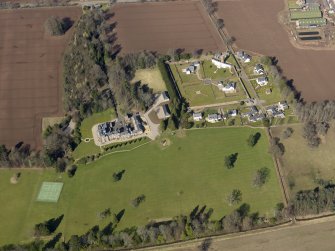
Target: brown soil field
column 30, row 72
column 304, row 236
column 254, row 24
column 163, row 26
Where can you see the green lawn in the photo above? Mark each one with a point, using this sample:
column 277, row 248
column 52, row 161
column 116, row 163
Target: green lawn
column 88, row 123
column 89, row 148
column 212, row 72
column 174, row 179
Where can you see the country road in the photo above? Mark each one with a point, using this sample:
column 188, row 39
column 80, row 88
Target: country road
column 318, row 234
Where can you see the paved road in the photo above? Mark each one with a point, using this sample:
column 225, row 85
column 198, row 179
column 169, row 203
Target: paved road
column 307, row 236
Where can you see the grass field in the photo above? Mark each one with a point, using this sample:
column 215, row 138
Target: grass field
column 50, row 121
column 304, row 165
column 174, row 179
column 151, row 77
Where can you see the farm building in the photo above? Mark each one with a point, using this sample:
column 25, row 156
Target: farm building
column 163, row 112
column 313, row 22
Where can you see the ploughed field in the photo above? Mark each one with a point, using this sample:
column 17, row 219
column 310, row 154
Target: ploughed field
column 174, row 178
column 30, row 72
column 254, row 24
column 163, row 26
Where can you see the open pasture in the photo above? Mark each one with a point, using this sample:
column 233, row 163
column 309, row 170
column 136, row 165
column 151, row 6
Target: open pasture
column 175, row 179
column 255, row 25
column 164, row 26
column 30, row 72
column 303, row 166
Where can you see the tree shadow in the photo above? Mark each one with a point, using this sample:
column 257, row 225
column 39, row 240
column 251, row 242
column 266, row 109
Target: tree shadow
column 120, row 215
column 257, row 137
column 205, row 245
column 53, row 223
column 244, row 210
column 67, row 23
column 52, row 243
column 233, row 158
column 194, row 212
column 108, row 229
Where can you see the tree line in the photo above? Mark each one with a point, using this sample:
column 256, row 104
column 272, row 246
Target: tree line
column 198, row 223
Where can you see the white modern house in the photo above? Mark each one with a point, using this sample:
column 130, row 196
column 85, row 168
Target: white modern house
column 221, row 65
column 213, row 118
column 259, row 69
column 282, row 106
column 232, row 113
column 197, row 116
column 244, row 57
column 262, row 81
column 227, row 88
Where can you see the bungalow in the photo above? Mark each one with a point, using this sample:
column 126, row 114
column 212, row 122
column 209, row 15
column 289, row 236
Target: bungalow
column 213, row 118
column 262, row 81
column 227, row 88
column 244, row 57
column 197, row 116
column 259, row 69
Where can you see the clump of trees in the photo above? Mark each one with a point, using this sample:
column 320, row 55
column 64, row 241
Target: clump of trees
column 117, row 176
column 311, row 135
column 234, row 197
column 261, row 177
column 106, row 213
column 71, row 171
column 47, row 227
column 54, row 26
column 253, row 139
column 316, row 201
column 229, row 160
column 288, row 132
column 276, row 147
column 138, row 200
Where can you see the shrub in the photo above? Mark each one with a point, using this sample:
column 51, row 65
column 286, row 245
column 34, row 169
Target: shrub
column 253, row 139
column 138, row 200
column 229, row 161
column 261, row 176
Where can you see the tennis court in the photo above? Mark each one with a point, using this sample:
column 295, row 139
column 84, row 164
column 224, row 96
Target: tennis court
column 50, row 191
